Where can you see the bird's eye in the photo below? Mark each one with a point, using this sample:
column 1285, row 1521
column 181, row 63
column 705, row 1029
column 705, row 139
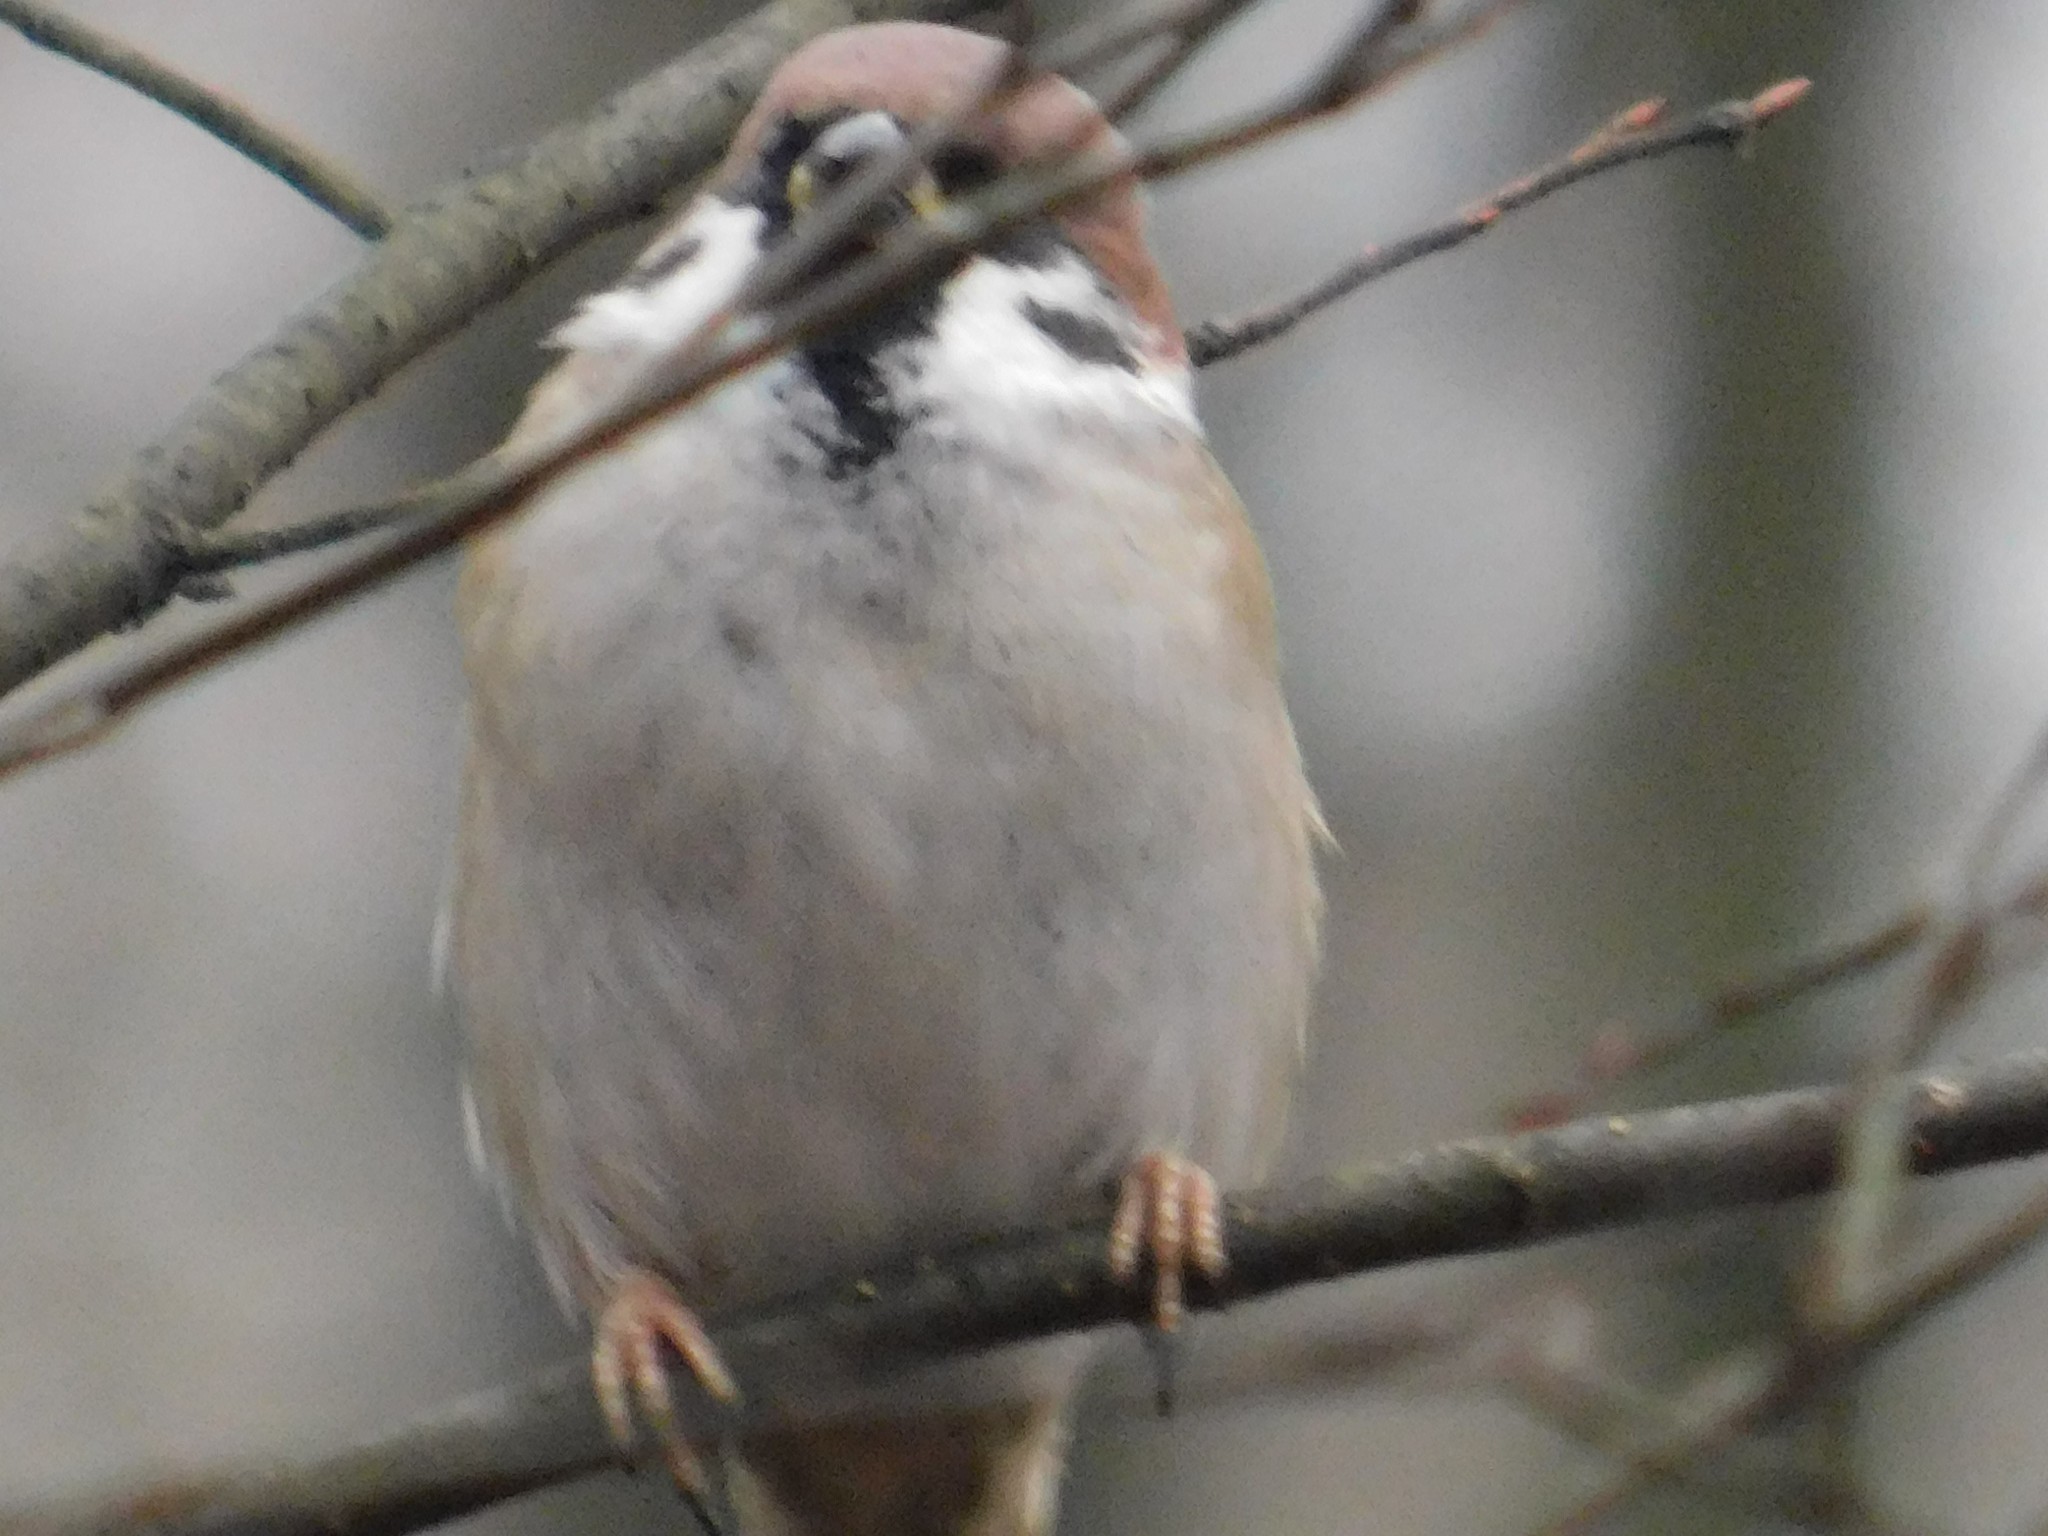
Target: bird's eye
column 766, row 184
column 785, row 145
column 960, row 167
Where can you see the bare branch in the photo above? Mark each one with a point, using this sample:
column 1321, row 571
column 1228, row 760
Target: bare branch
column 1366, row 51
column 1342, row 82
column 442, row 263
column 439, row 515
column 306, row 171
column 1467, row 1197
column 1648, row 1039
column 1184, row 36
column 1745, row 998
column 1748, row 1389
column 1999, row 826
column 1847, row 1265
column 2005, row 936
column 1623, row 141
column 777, row 275
column 1558, row 1376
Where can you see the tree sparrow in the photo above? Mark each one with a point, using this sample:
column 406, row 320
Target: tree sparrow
column 881, row 822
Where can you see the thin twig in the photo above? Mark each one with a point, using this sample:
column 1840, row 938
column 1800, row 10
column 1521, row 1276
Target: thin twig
column 306, row 171
column 2000, row 824
column 1184, row 35
column 1742, row 1000
column 1849, row 1261
column 1469, row 1197
column 1749, row 1389
column 1365, row 51
column 1726, row 124
column 1648, row 1039
column 1559, row 1378
column 441, row 514
column 1105, row 38
column 1846, row 1266
column 1328, row 92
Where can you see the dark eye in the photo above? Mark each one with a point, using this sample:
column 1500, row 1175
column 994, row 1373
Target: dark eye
column 766, row 183
column 785, row 145
column 959, row 167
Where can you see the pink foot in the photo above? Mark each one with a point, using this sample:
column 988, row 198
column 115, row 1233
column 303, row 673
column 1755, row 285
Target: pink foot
column 630, row 1369
column 1168, row 1209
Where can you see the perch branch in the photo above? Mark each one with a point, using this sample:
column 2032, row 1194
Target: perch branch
column 1469, row 1197
column 311, row 174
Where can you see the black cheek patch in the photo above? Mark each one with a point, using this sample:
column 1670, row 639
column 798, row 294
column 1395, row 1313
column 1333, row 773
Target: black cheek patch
column 1081, row 337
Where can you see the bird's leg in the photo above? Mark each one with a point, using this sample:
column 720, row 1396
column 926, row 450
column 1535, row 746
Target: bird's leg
column 642, row 1319
column 1167, row 1210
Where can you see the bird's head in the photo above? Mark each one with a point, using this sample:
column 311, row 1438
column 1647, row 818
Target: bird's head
column 852, row 97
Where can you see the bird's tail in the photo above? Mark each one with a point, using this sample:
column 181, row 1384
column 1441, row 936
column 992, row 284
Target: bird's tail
column 983, row 1471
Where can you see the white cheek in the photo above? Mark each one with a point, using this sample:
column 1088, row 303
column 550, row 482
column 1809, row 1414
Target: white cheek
column 990, row 360
column 657, row 317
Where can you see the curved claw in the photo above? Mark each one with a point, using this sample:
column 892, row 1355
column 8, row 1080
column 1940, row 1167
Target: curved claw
column 630, row 1370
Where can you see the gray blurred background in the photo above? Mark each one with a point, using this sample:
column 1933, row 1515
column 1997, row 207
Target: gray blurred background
column 1662, row 581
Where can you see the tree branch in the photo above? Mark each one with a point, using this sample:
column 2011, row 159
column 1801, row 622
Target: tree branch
column 779, row 275
column 118, row 560
column 315, row 177
column 1751, row 1388
column 1849, row 1263
column 1556, row 1375
column 1480, row 1196
column 434, row 517
column 1656, row 1038
column 1630, row 138
column 1183, row 38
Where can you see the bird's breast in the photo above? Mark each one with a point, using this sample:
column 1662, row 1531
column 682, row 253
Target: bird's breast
column 931, row 803
column 781, row 581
